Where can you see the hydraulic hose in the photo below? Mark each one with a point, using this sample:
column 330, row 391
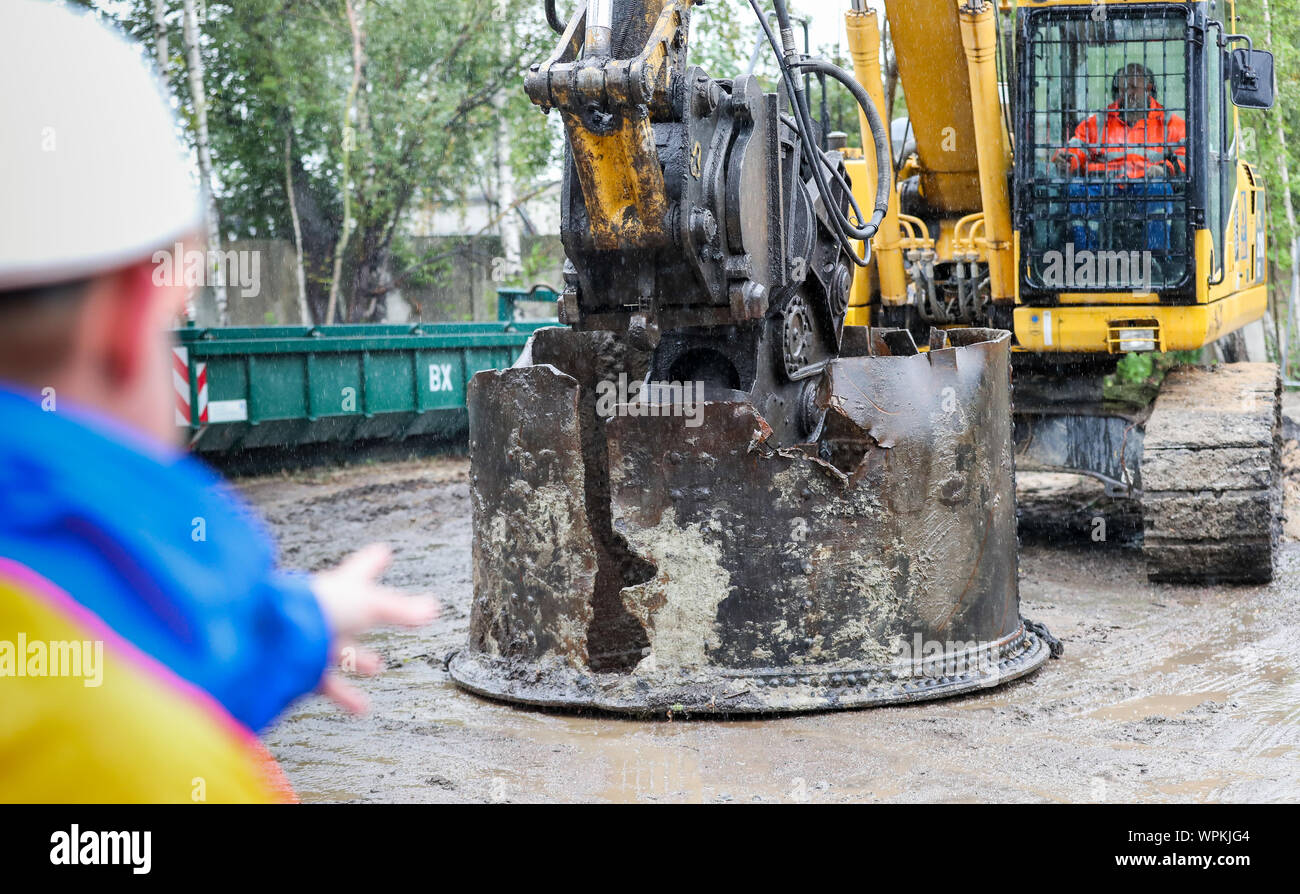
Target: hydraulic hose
column 552, row 17
column 879, row 134
column 788, row 59
column 793, row 124
column 794, row 87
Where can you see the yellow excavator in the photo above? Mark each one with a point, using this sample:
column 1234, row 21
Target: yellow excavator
column 1073, row 172
column 767, row 461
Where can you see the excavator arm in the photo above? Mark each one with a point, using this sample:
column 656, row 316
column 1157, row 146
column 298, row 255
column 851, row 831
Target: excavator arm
column 701, row 216
column 946, row 52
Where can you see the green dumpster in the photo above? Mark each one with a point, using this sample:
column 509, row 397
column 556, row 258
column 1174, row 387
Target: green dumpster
column 241, row 388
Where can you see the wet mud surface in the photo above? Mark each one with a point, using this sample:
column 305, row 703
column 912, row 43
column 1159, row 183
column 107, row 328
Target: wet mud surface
column 1165, row 693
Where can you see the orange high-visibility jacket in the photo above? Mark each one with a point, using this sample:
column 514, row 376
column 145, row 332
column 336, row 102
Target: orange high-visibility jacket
column 1130, row 149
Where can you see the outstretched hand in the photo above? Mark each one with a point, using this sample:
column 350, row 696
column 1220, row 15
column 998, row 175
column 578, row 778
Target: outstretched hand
column 353, row 601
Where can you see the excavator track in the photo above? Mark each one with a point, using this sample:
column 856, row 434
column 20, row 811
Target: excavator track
column 1211, row 475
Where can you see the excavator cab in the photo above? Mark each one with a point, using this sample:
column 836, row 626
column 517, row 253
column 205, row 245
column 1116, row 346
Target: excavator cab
column 1110, row 167
column 1136, row 214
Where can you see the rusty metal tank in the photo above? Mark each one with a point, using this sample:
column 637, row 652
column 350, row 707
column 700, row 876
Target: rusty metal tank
column 662, row 554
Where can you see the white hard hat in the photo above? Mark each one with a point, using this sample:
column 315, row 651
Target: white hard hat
column 92, row 171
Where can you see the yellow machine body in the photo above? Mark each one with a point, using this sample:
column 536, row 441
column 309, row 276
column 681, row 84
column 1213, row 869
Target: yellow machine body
column 946, row 51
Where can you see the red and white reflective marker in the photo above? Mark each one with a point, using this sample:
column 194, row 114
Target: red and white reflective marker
column 181, row 382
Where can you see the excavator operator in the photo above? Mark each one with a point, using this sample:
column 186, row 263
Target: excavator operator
column 1136, row 150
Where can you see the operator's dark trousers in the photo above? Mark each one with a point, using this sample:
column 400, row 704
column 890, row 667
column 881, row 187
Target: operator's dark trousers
column 1144, row 201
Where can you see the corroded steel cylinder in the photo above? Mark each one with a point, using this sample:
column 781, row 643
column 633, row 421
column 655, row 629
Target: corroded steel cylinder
column 664, row 556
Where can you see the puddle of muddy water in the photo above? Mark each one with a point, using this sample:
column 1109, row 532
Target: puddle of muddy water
column 1158, row 706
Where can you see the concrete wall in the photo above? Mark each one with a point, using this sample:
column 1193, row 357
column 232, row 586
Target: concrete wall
column 466, row 293
column 273, row 287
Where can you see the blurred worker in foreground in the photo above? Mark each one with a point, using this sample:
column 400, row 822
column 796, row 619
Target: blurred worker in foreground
column 145, row 631
column 1131, row 152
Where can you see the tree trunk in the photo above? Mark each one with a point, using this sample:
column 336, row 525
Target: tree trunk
column 367, row 272
column 199, row 97
column 162, row 51
column 349, row 140
column 511, row 239
column 319, row 235
column 304, row 311
column 1293, row 301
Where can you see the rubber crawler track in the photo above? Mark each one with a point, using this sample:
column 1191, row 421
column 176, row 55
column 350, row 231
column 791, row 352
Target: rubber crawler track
column 1211, row 475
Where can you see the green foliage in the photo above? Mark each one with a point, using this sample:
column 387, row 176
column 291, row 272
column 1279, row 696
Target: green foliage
column 1138, row 376
column 1136, row 380
column 423, row 269
column 1147, row 367
column 1133, row 369
column 534, row 265
column 842, row 108
column 1261, row 143
column 722, row 39
column 438, row 78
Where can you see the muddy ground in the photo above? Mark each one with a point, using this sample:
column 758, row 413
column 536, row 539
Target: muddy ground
column 1165, row 693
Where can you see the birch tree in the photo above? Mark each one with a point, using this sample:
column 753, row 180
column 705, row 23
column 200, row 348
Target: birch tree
column 350, row 129
column 1287, row 333
column 162, row 52
column 198, row 96
column 300, row 272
